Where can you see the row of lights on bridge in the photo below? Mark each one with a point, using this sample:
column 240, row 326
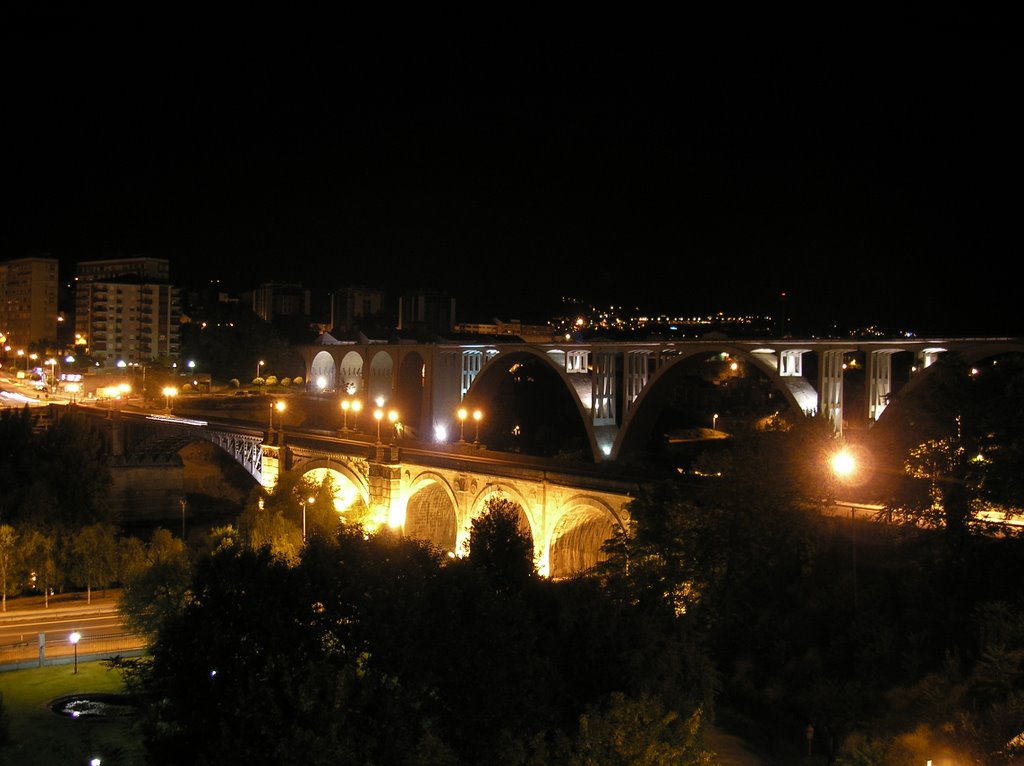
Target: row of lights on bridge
column 355, row 406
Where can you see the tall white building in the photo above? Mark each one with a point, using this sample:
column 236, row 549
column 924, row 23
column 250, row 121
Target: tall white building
column 128, row 311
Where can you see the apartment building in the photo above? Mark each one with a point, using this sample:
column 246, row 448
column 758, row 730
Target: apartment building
column 128, row 311
column 28, row 302
column 350, row 305
column 273, row 299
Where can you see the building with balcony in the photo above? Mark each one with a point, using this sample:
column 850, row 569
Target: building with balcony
column 128, row 311
column 28, row 302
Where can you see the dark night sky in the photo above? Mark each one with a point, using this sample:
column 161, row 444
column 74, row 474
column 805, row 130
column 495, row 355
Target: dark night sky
column 861, row 165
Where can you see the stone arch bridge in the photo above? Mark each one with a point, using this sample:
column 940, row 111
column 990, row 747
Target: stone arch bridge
column 618, row 387
column 432, row 495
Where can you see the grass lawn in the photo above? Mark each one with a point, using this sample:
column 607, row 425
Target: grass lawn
column 40, row 737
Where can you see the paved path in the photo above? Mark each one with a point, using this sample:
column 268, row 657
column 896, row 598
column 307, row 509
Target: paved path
column 730, row 750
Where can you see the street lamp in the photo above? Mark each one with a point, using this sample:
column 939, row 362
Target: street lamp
column 53, row 371
column 307, row 501
column 346, row 404
column 714, row 422
column 477, row 415
column 462, row 413
column 259, row 365
column 392, row 418
column 378, row 414
column 169, row 393
column 843, row 467
column 280, row 407
column 74, row 639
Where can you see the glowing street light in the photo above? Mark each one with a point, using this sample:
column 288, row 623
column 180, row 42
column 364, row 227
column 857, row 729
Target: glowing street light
column 379, row 415
column 477, row 415
column 843, row 464
column 259, row 366
column 714, row 422
column 462, row 413
column 280, row 406
column 843, row 467
column 350, row 404
column 74, row 638
column 169, row 393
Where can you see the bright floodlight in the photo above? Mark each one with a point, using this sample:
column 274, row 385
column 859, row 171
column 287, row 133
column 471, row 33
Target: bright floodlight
column 843, row 464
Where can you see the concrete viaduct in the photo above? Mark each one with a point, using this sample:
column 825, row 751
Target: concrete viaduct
column 618, row 388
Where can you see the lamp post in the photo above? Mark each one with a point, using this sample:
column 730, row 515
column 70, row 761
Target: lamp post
column 350, row 404
column 714, row 422
column 280, row 407
column 307, row 501
column 74, row 639
column 378, row 414
column 169, row 393
column 53, row 371
column 462, row 413
column 259, row 366
column 393, row 419
column 843, row 467
column 477, row 415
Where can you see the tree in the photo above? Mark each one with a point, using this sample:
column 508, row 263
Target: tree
column 262, row 524
column 70, row 479
column 641, row 731
column 8, row 550
column 38, row 553
column 966, row 452
column 131, row 558
column 160, row 589
column 16, row 439
column 242, row 657
column 500, row 545
column 94, row 557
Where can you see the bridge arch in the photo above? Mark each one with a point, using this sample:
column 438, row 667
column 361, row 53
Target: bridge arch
column 432, row 512
column 928, row 374
column 351, row 491
column 323, row 373
column 574, row 545
column 350, row 373
column 487, row 384
column 642, row 414
column 527, row 523
column 378, row 382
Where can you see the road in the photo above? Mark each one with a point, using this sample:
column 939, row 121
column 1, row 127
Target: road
column 98, row 623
